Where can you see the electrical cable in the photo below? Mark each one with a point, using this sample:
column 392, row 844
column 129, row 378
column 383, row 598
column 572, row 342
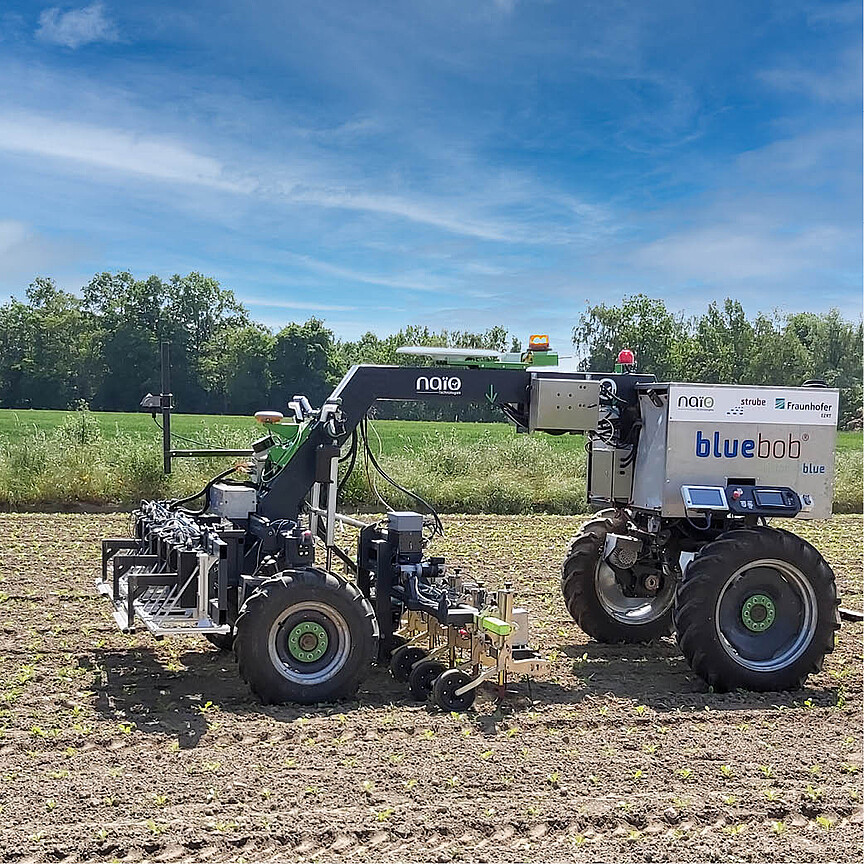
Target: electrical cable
column 184, row 438
column 439, row 527
column 372, row 485
column 176, row 502
column 704, row 527
column 352, row 457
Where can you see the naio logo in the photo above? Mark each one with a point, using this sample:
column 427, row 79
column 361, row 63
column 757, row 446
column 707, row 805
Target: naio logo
column 445, row 384
column 697, row 403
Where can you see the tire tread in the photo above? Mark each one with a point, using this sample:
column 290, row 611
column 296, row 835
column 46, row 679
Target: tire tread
column 695, row 602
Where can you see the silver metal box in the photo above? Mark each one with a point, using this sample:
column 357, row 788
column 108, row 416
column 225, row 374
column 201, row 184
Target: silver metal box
column 564, row 405
column 715, row 434
column 232, row 502
column 610, row 479
column 519, row 637
column 404, row 521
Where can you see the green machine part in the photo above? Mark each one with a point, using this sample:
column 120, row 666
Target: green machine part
column 289, row 437
column 531, row 358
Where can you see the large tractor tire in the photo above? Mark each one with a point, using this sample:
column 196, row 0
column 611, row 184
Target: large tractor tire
column 757, row 609
column 305, row 636
column 595, row 600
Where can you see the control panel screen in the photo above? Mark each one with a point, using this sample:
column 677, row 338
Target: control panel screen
column 706, row 497
column 769, row 498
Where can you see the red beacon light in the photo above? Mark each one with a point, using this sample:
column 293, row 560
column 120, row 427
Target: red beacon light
column 626, row 361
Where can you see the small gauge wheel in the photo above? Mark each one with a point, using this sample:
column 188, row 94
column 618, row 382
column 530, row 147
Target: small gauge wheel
column 403, row 659
column 422, row 677
column 444, row 691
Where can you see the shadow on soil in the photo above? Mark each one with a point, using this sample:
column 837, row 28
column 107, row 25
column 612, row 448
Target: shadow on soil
column 135, row 686
column 657, row 676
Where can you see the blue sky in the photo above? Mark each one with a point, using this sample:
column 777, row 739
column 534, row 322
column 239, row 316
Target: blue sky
column 452, row 163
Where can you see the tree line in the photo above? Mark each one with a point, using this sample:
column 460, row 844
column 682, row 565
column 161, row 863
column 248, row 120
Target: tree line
column 724, row 346
column 101, row 347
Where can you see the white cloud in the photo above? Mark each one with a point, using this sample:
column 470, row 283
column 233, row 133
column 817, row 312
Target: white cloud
column 426, row 213
column 840, row 84
column 25, row 253
column 554, row 219
column 408, row 282
column 12, row 234
column 76, row 27
column 295, row 304
column 741, row 253
column 113, row 149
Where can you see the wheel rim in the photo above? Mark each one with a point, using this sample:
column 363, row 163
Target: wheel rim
column 758, row 613
column 766, row 615
column 631, row 610
column 309, row 643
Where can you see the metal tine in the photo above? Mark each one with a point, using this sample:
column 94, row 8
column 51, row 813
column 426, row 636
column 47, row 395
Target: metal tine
column 192, row 575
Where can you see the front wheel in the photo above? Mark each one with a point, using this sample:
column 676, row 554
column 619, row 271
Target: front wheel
column 757, row 609
column 596, row 600
column 305, row 636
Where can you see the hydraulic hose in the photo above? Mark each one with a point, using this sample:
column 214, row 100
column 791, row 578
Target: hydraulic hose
column 439, row 527
column 352, row 459
column 175, row 503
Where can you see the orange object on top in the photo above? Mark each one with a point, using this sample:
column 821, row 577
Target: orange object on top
column 269, row 416
column 538, row 342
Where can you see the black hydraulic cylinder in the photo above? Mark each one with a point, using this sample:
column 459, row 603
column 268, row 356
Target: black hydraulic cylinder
column 165, row 405
column 383, row 597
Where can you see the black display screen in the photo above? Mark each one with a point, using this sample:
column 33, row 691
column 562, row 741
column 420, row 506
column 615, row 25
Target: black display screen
column 705, row 497
column 769, row 498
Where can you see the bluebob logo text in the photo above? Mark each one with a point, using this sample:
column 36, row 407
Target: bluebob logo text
column 761, row 448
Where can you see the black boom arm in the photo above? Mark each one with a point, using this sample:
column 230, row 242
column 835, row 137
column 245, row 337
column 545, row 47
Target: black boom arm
column 283, row 496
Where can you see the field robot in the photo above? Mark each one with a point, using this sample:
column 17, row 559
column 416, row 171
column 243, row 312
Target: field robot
column 682, row 478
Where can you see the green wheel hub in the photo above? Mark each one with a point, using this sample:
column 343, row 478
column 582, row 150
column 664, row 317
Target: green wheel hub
column 308, row 641
column 758, row 613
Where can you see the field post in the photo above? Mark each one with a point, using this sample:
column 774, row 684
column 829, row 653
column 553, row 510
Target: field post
column 165, row 403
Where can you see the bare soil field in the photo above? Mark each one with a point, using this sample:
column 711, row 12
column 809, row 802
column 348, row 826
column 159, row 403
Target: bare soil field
column 116, row 747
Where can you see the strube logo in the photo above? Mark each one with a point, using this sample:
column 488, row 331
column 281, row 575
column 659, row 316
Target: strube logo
column 445, row 384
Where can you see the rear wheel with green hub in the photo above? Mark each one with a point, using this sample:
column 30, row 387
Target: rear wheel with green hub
column 305, row 636
column 757, row 609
